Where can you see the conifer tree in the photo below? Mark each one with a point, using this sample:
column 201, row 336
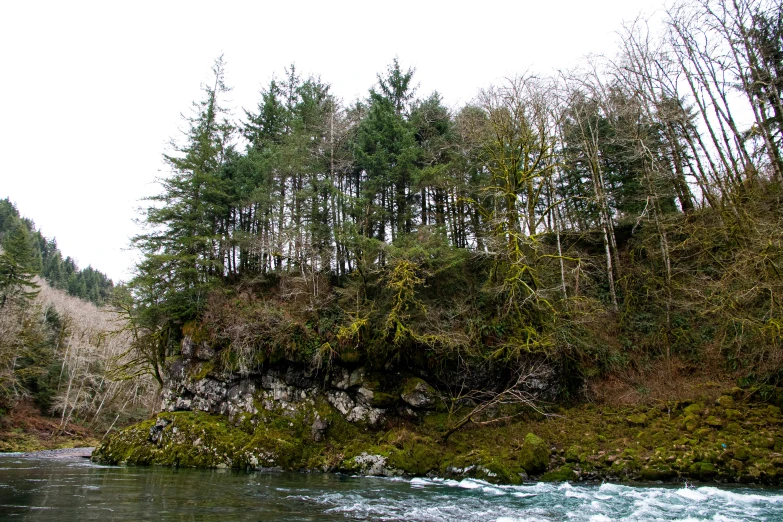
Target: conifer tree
column 17, row 267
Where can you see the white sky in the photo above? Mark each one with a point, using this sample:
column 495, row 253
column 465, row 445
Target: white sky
column 93, row 91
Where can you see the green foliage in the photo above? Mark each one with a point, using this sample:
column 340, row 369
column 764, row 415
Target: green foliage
column 398, row 233
column 17, row 267
column 47, row 260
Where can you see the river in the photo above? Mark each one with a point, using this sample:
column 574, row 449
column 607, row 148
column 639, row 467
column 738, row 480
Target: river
column 74, row 489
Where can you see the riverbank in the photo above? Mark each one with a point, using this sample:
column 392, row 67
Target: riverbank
column 730, row 439
column 23, row 428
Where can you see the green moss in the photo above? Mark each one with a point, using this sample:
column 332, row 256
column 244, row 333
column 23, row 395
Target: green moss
column 593, row 441
column 384, row 400
column 639, row 419
column 713, row 421
column 725, row 401
column 572, row 454
column 534, row 455
column 416, row 458
column 691, row 423
column 702, row 471
column 562, row 474
column 201, row 370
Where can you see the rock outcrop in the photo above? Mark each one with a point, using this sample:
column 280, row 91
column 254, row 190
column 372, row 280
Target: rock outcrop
column 193, row 384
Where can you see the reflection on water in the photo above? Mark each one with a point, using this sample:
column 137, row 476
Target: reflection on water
column 75, row 489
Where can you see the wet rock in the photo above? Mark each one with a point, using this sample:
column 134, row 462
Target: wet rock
column 419, row 394
column 374, row 465
column 702, row 471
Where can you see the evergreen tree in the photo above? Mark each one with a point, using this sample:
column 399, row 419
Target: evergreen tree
column 17, row 267
column 184, row 251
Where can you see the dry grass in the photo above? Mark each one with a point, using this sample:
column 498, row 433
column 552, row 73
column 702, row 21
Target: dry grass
column 663, row 381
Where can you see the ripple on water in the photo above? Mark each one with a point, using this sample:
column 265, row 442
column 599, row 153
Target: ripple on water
column 308, row 497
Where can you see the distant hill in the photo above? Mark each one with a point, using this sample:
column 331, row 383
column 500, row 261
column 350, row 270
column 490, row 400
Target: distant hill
column 59, row 271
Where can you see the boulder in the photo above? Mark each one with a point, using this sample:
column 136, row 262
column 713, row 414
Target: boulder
column 534, row 455
column 419, row 394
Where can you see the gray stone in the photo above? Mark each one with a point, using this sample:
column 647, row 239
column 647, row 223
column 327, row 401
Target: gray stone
column 319, row 428
column 204, row 352
column 344, row 379
column 364, row 396
column 341, row 401
column 298, row 377
column 375, row 465
column 419, row 394
column 187, row 348
column 182, row 404
column 156, row 432
column 364, row 414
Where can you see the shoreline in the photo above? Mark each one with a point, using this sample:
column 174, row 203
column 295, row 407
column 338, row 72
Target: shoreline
column 62, row 453
column 722, row 441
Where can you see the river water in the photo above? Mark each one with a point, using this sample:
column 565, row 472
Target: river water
column 75, row 489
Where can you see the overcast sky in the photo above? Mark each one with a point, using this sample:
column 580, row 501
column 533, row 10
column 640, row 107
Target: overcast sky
column 93, row 91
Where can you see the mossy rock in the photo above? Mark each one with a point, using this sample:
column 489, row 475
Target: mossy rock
column 713, row 421
column 562, row 474
column 201, row 369
column 691, row 423
column 725, row 401
column 694, row 409
column 639, row 419
column 383, row 400
column 419, row 394
column 496, row 471
column 703, row 471
column 572, row 454
column 416, row 459
column 534, row 455
column 657, row 472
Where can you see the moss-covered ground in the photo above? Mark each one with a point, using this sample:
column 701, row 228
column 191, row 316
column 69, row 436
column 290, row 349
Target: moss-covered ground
column 730, row 439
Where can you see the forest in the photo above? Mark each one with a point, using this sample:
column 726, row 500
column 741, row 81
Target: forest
column 60, row 339
column 606, row 219
column 38, row 255
column 610, row 220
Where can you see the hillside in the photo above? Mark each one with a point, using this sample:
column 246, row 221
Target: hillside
column 59, row 352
